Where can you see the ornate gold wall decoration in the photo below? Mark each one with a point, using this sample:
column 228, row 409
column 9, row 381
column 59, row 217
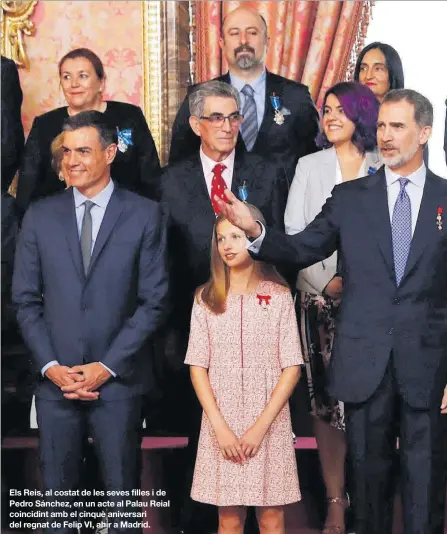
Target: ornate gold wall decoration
column 15, row 25
column 166, row 67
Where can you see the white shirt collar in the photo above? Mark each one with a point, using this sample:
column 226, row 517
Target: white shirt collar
column 417, row 177
column 257, row 84
column 101, row 199
column 208, row 164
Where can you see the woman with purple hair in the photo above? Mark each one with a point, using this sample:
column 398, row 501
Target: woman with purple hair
column 348, row 137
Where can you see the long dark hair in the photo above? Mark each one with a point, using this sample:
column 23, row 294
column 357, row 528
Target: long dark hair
column 392, row 60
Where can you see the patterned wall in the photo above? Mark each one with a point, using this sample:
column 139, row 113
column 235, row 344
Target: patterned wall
column 112, row 29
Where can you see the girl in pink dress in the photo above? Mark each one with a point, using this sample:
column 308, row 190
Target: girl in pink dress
column 244, row 353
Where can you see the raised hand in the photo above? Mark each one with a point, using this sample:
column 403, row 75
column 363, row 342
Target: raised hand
column 237, row 213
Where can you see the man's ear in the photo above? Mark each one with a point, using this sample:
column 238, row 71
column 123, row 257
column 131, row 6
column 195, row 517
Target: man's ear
column 110, row 152
column 195, row 125
column 425, row 134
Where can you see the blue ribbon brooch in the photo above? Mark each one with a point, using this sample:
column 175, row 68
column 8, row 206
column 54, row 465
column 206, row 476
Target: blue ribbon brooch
column 243, row 193
column 371, row 170
column 276, row 105
column 124, row 139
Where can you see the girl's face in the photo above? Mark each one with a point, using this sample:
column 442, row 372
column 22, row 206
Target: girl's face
column 337, row 127
column 231, row 245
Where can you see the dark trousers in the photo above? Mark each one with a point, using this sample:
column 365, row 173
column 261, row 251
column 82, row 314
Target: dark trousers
column 372, row 429
column 115, row 427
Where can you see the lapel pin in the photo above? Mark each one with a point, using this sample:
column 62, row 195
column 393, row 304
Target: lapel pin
column 276, row 104
column 264, row 301
column 439, row 218
column 243, row 193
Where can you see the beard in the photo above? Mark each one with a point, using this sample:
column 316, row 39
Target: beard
column 248, row 60
column 395, row 162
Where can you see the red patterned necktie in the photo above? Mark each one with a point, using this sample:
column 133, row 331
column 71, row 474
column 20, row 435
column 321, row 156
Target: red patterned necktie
column 218, row 186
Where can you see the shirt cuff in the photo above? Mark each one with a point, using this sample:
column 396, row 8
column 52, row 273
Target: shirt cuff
column 255, row 246
column 110, row 370
column 48, row 365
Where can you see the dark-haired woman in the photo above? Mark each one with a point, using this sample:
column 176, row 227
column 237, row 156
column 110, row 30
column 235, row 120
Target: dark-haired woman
column 82, row 79
column 380, row 68
column 348, row 137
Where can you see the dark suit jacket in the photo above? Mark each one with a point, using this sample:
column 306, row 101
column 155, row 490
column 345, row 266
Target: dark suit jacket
column 12, row 129
column 376, row 317
column 137, row 169
column 10, row 226
column 445, row 133
column 107, row 316
column 191, row 220
column 284, row 143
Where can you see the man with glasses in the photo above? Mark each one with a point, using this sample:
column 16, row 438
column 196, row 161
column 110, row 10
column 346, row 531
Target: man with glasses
column 188, row 190
column 280, row 118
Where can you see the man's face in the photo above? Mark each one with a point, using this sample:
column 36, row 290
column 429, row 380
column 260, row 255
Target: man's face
column 244, row 39
column 85, row 162
column 217, row 140
column 399, row 138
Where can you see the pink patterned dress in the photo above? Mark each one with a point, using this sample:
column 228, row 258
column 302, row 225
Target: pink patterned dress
column 244, row 350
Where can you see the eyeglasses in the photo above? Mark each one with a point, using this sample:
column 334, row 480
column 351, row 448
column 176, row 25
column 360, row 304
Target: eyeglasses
column 217, row 119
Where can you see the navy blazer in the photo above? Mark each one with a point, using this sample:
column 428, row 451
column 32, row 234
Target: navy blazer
column 377, row 318
column 284, row 143
column 109, row 314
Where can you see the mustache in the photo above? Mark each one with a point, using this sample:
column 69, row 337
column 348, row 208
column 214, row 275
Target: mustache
column 387, row 147
column 244, row 48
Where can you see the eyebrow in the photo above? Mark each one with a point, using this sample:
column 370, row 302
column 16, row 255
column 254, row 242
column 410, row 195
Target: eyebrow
column 394, row 124
column 78, row 149
column 248, row 28
column 363, row 64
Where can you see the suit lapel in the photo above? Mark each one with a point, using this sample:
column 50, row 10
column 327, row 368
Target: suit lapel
column 376, row 209
column 270, row 88
column 111, row 216
column 327, row 171
column 67, row 218
column 194, row 183
column 426, row 222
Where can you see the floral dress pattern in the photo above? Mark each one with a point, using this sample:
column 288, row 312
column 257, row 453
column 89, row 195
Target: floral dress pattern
column 245, row 350
column 317, row 324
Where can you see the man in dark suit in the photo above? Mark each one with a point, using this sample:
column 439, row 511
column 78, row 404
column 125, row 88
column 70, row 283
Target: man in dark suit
column 187, row 190
column 389, row 361
column 12, row 130
column 445, row 133
column 286, row 134
column 90, row 285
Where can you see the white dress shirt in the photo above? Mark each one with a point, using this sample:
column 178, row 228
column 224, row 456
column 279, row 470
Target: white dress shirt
column 101, row 201
column 414, row 188
column 258, row 87
column 208, row 165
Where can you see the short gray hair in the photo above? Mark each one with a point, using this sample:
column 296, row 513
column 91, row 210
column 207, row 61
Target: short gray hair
column 197, row 96
column 423, row 109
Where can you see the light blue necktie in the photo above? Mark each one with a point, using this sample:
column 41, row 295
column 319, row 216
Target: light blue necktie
column 401, row 230
column 249, row 128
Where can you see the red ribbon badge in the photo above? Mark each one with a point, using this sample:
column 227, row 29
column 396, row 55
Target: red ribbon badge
column 264, row 300
column 439, row 218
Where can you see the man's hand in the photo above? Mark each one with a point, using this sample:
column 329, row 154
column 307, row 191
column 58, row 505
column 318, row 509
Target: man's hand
column 334, row 288
column 444, row 402
column 238, row 214
column 251, row 441
column 61, row 375
column 95, row 375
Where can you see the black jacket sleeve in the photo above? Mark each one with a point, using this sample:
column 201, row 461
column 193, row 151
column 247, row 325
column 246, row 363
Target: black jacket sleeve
column 148, row 160
column 12, row 129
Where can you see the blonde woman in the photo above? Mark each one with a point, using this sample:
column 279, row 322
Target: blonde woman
column 244, row 354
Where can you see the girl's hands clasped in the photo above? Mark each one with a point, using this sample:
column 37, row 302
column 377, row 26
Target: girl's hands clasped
column 229, row 445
